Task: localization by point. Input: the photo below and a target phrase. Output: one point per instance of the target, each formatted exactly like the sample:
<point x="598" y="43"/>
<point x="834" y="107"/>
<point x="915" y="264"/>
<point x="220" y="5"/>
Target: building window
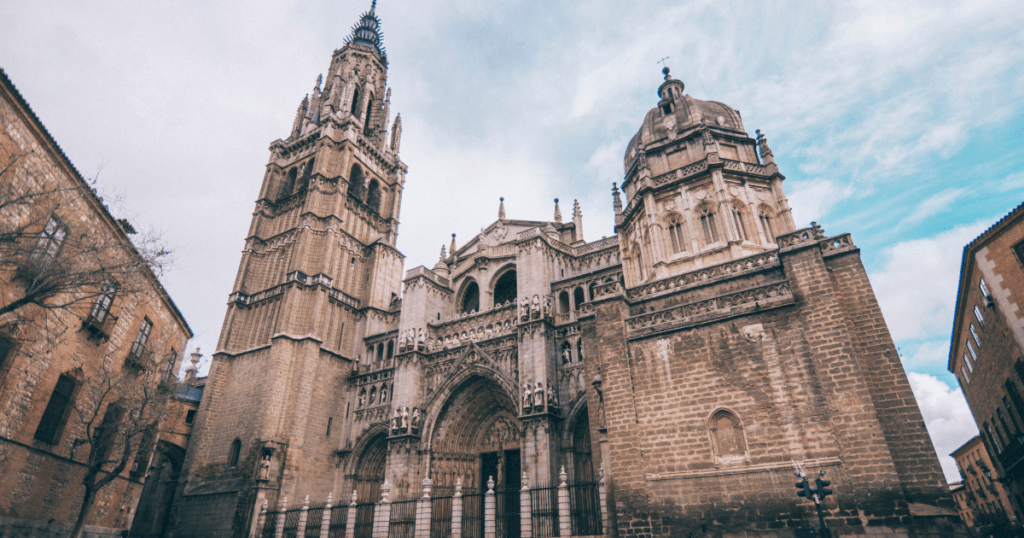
<point x="968" y="363"/>
<point x="981" y="318"/>
<point x="330" y="420"/>
<point x="236" y="449"/>
<point x="974" y="333"/>
<point x="106" y="434"/>
<point x="974" y="354"/>
<point x="993" y="439"/>
<point x="766" y="222"/>
<point x="967" y="378"/>
<point x="57" y="409"/>
<point x="138" y="349"/>
<point x="373" y="195"/>
<point x="675" y="233"/>
<point x="737" y="219"/>
<point x="101" y="308"/>
<point x="984" y="289"/>
<point x="578" y="298"/>
<point x="563" y="302"/>
<point x="190" y="416"/>
<point x="707" y="223"/>
<point x="471" y="298"/>
<point x="727" y="435"/>
<point x="50" y="241"/>
<point x="666" y="109"/>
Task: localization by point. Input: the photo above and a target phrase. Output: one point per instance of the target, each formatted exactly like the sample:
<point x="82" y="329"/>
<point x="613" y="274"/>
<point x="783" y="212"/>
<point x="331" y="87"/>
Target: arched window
<point x="355" y="102"/>
<point x="368" y="120"/>
<point x="391" y="349"/>
<point x="563" y="302"/>
<point x="579" y="350"/>
<point x="380" y="352"/>
<point x="288" y="183"/>
<point x="675" y="234"/>
<point x="766" y="223"/>
<point x="638" y="259"/>
<point x="727" y="436"/>
<point x="373" y="195"/>
<point x="471" y="298"/>
<point x="737" y="220"/>
<point x="355" y="182"/>
<point x="236" y="449"/>
<point x="578" y="298"/>
<point x="707" y="223"/>
<point x="505" y="289"/>
<point x="590" y="290"/>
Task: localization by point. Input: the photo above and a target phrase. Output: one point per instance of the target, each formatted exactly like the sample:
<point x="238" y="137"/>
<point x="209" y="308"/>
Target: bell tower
<point x="319" y="271"/>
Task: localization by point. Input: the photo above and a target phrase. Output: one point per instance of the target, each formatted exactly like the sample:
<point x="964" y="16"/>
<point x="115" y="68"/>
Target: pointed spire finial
<point x="451" y="250"/>
<point x="501" y="208"/>
<point x="558" y="212"/>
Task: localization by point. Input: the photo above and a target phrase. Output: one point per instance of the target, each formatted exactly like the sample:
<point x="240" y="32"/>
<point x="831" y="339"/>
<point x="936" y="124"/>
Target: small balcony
<point x="138" y="358"/>
<point x="99" y="330"/>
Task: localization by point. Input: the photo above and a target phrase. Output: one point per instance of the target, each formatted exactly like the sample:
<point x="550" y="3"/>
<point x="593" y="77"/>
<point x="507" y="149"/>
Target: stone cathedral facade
<point x="693" y="359"/>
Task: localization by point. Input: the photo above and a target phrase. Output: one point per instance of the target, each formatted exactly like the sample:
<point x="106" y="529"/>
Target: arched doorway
<point x="368" y="475"/>
<point x="582" y="457"/>
<point x="153" y="510"/>
<point x="476" y="437"/>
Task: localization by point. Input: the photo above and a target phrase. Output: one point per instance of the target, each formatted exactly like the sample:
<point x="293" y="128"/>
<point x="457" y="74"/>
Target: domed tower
<point x="699" y="190"/>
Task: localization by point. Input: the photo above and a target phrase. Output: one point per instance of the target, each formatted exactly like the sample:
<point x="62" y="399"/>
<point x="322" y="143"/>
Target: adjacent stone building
<point x="75" y="355"/>
<point x="690" y="362"/>
<point x="985" y="351"/>
<point x="983" y="499"/>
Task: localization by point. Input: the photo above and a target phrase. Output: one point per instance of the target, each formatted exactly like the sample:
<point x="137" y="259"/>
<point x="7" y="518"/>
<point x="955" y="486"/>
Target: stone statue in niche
<point x="579" y="350"/>
<point x="527" y="398"/>
<point x="384" y="394"/>
<point x="415" y="421"/>
<point x="524" y="308"/>
<point x="401" y="341"/>
<point x="396" y="422"/>
<point x="547" y="306"/>
<point x="552" y="400"/>
<point x="405" y="419"/>
<point x="420" y="340"/>
<point x="264" y="472"/>
<point x="566" y="354"/>
<point x="362" y="398"/>
<point x="538" y="397"/>
<point x="536" y="306"/>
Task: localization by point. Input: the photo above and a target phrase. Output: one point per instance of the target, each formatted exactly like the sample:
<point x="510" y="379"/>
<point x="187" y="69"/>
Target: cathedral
<point x="689" y="364"/>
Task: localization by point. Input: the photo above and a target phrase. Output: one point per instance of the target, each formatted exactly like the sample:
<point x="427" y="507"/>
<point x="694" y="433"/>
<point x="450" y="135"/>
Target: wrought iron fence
<point x="473" y="515"/>
<point x="544" y="505"/>
<point x="506" y="513"/>
<point x="403" y="519"/>
<point x="291" y="522"/>
<point x="585" y="509"/>
<point x="441" y="517"/>
<point x="339" y="521"/>
<point x="270" y="525"/>
<point x="364" y="520"/>
<point x="314" y="517"/>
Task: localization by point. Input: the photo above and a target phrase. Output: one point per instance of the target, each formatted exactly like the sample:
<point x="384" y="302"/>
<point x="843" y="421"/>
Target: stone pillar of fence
<point x="382" y="515"/>
<point x="457" y="510"/>
<point x="489" y="531"/>
<point x="303" y="517"/>
<point x="564" y="525"/>
<point x="261" y="520"/>
<point x="525" y="510"/>
<point x="279" y="533"/>
<point x="325" y="517"/>
<point x="603" y="493"/>
<point x="350" y="523"/>
<point x="423" y="511"/>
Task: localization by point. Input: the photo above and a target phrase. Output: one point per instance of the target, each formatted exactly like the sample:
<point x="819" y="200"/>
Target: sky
<point x="899" y="122"/>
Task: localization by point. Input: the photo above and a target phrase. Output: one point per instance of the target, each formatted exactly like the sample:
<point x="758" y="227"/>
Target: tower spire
<point x="558" y="212"/>
<point x="501" y="208"/>
<point x="367" y="32"/>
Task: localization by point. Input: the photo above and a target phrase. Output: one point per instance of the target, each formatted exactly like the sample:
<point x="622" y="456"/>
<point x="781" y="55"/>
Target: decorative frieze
<point x="760" y="298"/>
<point x="707" y="275"/>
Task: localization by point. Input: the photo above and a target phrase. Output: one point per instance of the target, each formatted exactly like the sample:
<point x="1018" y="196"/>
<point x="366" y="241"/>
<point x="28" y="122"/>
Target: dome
<point x="678" y="113"/>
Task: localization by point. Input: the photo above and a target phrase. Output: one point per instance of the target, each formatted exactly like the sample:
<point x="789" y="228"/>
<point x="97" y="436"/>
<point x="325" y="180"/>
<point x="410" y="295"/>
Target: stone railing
<point x="750" y="168"/>
<point x="600" y="244"/>
<point x="691" y="169"/>
<point x="803" y="236"/>
<point x="300" y="278"/>
<point x="492" y="323"/>
<point x="696" y="312"/>
<point x="500" y="251"/>
<point x="586" y="309"/>
<point x="837" y="244"/>
<point x="428" y="274"/>
<point x="606" y="289"/>
<point x="706" y="275"/>
<point x="245" y="300"/>
<point x="526" y="234"/>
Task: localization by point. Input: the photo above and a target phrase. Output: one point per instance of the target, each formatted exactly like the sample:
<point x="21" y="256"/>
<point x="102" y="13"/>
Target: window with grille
<point x="49" y="242"/>
<point x="106" y="434"/>
<point x="675" y="233"/>
<point x="101" y="308"/>
<point x="984" y="288"/>
<point x="57" y="409"/>
<point x="766" y="223"/>
<point x="737" y="219"/>
<point x="707" y="223"/>
<point x="981" y="318"/>
<point x="974" y="354"/>
<point x="963" y="370"/>
<point x="138" y="349"/>
<point x="977" y="339"/>
<point x="968" y="363"/>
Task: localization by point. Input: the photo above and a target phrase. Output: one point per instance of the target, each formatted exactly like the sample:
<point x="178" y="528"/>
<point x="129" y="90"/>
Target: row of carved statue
<point x="412" y="339"/>
<point x="405" y="422"/>
<point x="537" y="399"/>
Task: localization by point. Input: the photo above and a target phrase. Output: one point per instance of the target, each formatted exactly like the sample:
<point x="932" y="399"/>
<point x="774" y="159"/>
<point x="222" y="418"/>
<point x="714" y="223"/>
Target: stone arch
<point x="370" y="464"/>
<point x="563" y="302"/>
<point x="745" y="231"/>
<point x="475" y="411"/>
<point x="154" y="507"/>
<point x="504" y="285"/>
<point x="356" y="178"/>
<point x="373" y="195"/>
<point x="469" y="297"/>
<point x="368" y="120"/>
<point x="710" y="224"/>
<point x="234" y="452"/>
<point x="288" y="183"/>
<point x="769" y="223"/>
<point x="675" y="228"/>
<point x="578" y="297"/>
<point x="728" y="441"/>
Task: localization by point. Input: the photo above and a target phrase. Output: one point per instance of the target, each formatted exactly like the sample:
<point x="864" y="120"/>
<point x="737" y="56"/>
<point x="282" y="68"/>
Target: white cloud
<point x="928" y="354"/>
<point x="933" y="205"/>
<point x="949" y="420"/>
<point x="916" y="288"/>
<point x="812" y="200"/>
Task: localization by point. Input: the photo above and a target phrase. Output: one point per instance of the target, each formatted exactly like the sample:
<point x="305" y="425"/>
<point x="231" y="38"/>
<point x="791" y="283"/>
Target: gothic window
<point x="56" y="413"/>
<point x="391" y="349"/>
<point x="236" y="450"/>
<point x="505" y="289"/>
<point x="355" y="102"/>
<point x="368" y="120"/>
<point x="578" y="298"/>
<point x="49" y="242"/>
<point x="380" y="352"/>
<point x="471" y="298"/>
<point x="563" y="302"/>
<point x="288" y="184"/>
<point x="373" y="195"/>
<point x="766" y="223"/>
<point x="355" y="182"/>
<point x="707" y="223"/>
<point x="101" y="308"/>
<point x="675" y="234"/>
<point x="737" y="219"/>
<point x="727" y="435"/>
